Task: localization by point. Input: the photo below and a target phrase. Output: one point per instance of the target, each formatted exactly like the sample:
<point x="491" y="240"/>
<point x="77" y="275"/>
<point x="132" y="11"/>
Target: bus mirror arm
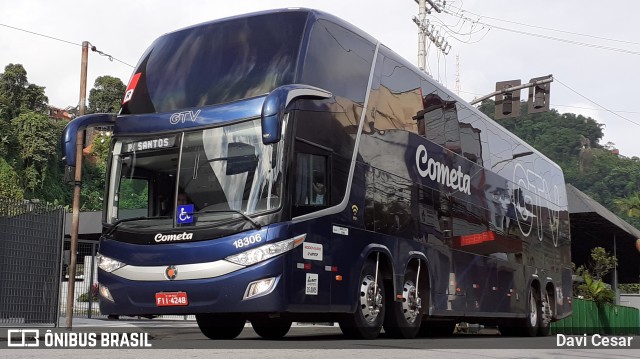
<point x="275" y="106"/>
<point x="70" y="134"/>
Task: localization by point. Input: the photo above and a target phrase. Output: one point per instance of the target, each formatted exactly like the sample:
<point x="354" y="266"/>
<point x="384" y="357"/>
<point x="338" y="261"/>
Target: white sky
<point x="125" y="29"/>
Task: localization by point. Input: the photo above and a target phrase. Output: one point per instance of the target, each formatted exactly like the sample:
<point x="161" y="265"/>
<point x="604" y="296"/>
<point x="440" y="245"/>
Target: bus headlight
<point x="264" y="252"/>
<point x="108" y="264"/>
<point x="104" y="292"/>
<point x="259" y="288"/>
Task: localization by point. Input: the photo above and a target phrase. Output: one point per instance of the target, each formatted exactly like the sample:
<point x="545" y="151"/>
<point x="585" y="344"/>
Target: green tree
<point x="30" y="164"/>
<point x="37" y="137"/>
<point x="106" y="95"/>
<point x="10" y="180"/>
<point x="630" y="205"/>
<point x="594" y="288"/>
<point x="629" y="288"/>
<point x="602" y="263"/>
<point x="17" y="95"/>
<point x="101" y="145"/>
<point x="92" y="191"/>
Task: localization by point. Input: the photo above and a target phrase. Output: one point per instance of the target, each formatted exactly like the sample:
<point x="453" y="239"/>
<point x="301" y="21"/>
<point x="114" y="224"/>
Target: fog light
<point x="104" y="292"/>
<point x="260" y="288"/>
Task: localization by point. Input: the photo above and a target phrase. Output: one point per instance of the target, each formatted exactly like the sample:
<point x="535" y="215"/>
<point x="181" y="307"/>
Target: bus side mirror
<point x="275" y="105"/>
<point x="70" y="137"/>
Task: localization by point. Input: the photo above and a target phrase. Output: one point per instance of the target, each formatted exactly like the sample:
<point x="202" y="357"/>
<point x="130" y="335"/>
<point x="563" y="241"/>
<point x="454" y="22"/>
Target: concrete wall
<point x="630" y="300"/>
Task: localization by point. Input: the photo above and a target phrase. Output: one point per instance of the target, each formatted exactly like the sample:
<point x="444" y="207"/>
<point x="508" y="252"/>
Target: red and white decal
<point x="132" y="86"/>
<point x="312" y="251"/>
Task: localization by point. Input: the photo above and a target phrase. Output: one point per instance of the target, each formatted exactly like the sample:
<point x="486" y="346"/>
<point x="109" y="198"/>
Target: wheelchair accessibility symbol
<point x="184" y="214"/>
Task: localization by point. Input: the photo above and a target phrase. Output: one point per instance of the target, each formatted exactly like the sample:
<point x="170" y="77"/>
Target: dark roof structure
<point x="592" y="225"/>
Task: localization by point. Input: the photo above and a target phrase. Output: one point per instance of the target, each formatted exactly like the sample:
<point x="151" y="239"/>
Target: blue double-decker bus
<point x="285" y="166"/>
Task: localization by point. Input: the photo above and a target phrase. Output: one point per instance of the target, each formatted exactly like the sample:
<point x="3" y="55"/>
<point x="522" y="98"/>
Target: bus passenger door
<point x="311" y="192"/>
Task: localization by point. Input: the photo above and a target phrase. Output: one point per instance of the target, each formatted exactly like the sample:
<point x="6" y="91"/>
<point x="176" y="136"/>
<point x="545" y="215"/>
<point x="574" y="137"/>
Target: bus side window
<point x="311" y="180"/>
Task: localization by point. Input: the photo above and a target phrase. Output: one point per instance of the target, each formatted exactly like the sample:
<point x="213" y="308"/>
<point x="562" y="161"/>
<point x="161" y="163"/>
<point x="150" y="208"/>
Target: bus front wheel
<point x="367" y="320"/>
<point x="220" y="326"/>
<point x="271" y="328"/>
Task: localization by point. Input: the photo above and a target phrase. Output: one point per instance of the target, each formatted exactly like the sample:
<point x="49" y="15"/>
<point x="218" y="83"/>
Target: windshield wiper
<point x="117" y="223"/>
<point x="253" y="222"/>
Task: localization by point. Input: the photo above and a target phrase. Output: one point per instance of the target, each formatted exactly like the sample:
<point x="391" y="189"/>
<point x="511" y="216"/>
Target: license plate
<point x="171" y="299"/>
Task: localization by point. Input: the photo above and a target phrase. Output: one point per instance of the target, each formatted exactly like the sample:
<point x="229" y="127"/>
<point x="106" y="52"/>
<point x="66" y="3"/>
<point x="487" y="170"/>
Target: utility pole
<point x="83" y="78"/>
<point x="422" y="34"/>
<point x="76" y="189"/>
<point x="426" y="30"/>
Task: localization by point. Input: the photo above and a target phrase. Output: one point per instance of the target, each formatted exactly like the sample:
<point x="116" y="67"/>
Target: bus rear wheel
<point x="529" y="326"/>
<point x="546" y="314"/>
<point x="403" y="318"/>
<point x="271" y="328"/>
<point x="367" y="320"/>
<point x="220" y="326"/>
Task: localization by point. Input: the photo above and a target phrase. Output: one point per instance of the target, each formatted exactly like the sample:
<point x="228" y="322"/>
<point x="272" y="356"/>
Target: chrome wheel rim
<point x="410" y="302"/>
<point x="533" y="311"/>
<point x="370" y="302"/>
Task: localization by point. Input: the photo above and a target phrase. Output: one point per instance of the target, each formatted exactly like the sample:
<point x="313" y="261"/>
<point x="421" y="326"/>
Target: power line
<point x="449" y="31"/>
<point x="93" y="48"/>
<point x="579" y="43"/>
<point x="38" y="34"/>
<point x="595" y="109"/>
<point x="549" y="29"/>
<point x="602" y="47"/>
<point x="111" y="58"/>
<point x="593" y="102"/>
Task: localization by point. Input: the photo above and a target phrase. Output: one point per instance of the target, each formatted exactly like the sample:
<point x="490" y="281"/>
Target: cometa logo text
<point x="173" y="237"/>
<point x="439" y="172"/>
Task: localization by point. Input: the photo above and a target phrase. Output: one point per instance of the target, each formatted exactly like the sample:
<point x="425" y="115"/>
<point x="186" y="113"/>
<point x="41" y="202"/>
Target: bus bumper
<point x="223" y="294"/>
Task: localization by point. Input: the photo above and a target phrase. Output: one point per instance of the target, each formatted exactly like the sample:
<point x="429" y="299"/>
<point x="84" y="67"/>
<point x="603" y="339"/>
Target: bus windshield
<point x="209" y="174"/>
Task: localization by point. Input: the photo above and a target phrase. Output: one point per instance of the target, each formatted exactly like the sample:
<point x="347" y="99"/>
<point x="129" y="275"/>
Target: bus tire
<point x="528" y="326"/>
<point x="271" y="328"/>
<point x="546" y="314"/>
<point x="366" y="321"/>
<point x="534" y="316"/>
<point x="402" y="319"/>
<point x="220" y="326"/>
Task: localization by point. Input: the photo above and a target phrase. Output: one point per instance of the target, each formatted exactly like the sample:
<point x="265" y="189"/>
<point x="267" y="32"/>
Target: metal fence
<point x="30" y="251"/>
<point x="591" y="318"/>
<point x="86" y="291"/>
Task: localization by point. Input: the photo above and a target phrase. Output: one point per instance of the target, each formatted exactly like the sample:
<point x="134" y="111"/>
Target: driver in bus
<point x="319" y="190"/>
<point x="182" y="198"/>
